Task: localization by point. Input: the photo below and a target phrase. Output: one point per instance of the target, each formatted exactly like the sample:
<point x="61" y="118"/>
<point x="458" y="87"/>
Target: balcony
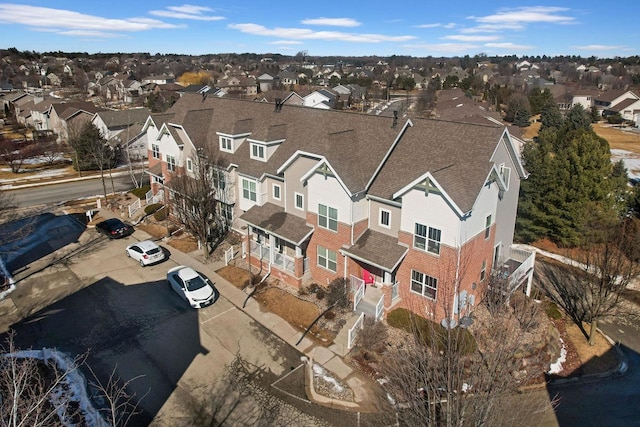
<point x="517" y="269"/>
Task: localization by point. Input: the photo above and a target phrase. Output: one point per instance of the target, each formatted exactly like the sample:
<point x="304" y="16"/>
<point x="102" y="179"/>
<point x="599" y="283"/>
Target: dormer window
<point x="226" y="144"/>
<point x="258" y="152"/>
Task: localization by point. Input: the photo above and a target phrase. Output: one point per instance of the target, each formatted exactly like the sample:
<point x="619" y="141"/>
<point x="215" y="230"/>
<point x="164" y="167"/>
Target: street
<point x="57" y="193"/>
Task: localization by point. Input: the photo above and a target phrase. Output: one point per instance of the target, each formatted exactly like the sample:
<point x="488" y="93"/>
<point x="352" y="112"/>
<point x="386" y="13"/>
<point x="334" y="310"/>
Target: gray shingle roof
<point x="118" y="119"/>
<point x="275" y="220"/>
<point x="378" y="249"/>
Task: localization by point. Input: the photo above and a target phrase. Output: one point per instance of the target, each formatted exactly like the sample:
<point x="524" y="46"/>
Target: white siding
<point x="431" y="210"/>
<point x="328" y="192"/>
<point x="246" y="204"/>
<point x="485" y="205"/>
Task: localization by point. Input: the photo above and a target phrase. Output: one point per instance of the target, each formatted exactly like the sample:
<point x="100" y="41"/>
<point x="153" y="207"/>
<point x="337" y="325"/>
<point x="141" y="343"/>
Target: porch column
<point x="387" y="277"/>
<point x="298" y="251"/>
<point x="272" y="246"/>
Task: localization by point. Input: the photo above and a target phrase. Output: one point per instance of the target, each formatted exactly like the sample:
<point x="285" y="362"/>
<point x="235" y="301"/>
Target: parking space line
<point x="217" y="315"/>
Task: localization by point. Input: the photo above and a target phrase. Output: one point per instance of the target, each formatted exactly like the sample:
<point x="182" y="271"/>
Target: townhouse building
<point x="416" y="212"/>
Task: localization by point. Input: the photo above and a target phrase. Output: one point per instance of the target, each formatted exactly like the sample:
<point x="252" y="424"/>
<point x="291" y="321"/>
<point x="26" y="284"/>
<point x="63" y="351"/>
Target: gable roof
<point x="117" y="119"/>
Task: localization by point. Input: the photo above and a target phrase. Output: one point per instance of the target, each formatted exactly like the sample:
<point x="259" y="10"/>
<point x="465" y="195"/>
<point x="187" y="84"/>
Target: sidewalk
<point x="331" y="358"/>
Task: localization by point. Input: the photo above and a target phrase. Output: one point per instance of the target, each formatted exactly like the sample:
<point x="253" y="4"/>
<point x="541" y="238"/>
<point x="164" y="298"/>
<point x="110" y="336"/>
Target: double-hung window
<point x="189" y="165"/>
<point x="155" y="151"/>
<point x="226" y="144"/>
<point x="276" y="192"/>
<point x="299" y="201"/>
<point x="327" y="217"/>
<point x="427" y="238"/>
<point x="327" y="259"/>
<point x="249" y="190"/>
<point x="506" y="174"/>
<point x="257" y="152"/>
<point x="423" y="284"/>
<point x="171" y="163"/>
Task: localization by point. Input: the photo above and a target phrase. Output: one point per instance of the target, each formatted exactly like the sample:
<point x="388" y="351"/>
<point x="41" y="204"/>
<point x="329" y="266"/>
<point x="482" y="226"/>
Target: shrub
<point x="141" y="192"/>
<point x="552" y="310"/>
<point x="320" y="294"/>
<point x="338" y="293"/>
<point x="430" y="333"/>
<point x="314" y="288"/>
<point x="161" y="214"/>
<point x="330" y="315"/>
<point x="152" y="208"/>
<point x="372" y="336"/>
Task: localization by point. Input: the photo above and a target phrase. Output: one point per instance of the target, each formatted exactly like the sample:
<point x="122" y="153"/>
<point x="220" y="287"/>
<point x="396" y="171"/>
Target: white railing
<point x="285" y="262"/>
<point x="359" y="293"/>
<point x="356" y="283"/>
<point x="515" y="280"/>
<point x="395" y="291"/>
<point x="261" y="251"/>
<point x="134" y="207"/>
<point x="229" y="254"/>
<point x="151" y="198"/>
<point x="379" y="308"/>
<point x="353" y="331"/>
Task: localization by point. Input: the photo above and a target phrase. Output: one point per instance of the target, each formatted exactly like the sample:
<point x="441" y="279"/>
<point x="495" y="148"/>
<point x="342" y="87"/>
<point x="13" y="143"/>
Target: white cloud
<point x="286" y="42"/>
<point x="306" y="34"/>
<point x="450" y="48"/>
<point x="598" y="47"/>
<point x="64" y="21"/>
<point x="507" y="45"/>
<point x="463" y="38"/>
<point x="187" y="11"/>
<point x="429" y="25"/>
<point x="449" y="26"/>
<point x="333" y="22"/>
<point x="527" y="14"/>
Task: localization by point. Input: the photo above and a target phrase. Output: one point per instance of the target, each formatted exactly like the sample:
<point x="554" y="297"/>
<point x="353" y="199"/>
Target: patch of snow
<point x="319" y="371"/>
<point x="631" y="161"/>
<point x="72" y="388"/>
<point x="556" y="367"/>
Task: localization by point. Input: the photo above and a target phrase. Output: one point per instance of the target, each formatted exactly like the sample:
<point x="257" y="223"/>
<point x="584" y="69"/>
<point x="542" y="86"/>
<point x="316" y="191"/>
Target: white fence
<point x="379" y="308"/>
<point x="353" y="331"/>
<point x="359" y="293"/>
<point x="150" y="198"/>
<point x="229" y="254"/>
<point x="134" y="207"/>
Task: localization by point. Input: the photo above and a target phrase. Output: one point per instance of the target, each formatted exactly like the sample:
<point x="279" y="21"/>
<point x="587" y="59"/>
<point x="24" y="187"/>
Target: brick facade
<point x="331" y="240"/>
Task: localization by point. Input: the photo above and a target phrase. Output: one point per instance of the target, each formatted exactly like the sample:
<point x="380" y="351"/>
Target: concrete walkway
<point x="331" y="358"/>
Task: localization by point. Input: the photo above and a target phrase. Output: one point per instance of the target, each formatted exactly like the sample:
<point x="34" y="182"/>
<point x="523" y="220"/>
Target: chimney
<point x="395" y="118"/>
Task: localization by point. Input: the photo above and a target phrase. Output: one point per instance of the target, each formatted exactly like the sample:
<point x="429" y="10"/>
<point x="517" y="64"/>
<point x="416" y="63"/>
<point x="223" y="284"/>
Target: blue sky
<point x="342" y="28"/>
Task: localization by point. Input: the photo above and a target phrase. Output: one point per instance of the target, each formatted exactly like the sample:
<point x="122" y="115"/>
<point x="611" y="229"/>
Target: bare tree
<point x="461" y="376"/>
<point x="196" y="201"/>
<point x="592" y="287"/>
<point x="92" y="150"/>
<point x="40" y="388"/>
<point x="15" y="153"/>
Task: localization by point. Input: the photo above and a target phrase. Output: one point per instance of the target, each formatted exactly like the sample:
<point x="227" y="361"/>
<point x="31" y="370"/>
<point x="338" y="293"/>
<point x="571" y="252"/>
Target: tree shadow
<point x="605" y="399"/>
<point x="143" y="331"/>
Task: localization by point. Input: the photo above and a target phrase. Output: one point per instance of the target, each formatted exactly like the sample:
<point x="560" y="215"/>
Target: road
<point x="57" y="193"/>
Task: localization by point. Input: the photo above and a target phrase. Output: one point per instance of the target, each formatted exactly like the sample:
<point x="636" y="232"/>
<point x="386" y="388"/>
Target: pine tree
<point x="550" y="116"/>
<point x="577" y="118"/>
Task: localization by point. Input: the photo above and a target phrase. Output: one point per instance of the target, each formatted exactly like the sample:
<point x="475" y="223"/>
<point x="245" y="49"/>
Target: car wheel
<point x="142" y="263"/>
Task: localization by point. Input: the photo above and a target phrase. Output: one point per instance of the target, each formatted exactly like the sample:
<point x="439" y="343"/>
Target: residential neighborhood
<point x="351" y="220"/>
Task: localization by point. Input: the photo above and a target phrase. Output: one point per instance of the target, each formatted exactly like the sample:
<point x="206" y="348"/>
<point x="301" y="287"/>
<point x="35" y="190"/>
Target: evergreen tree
<point x="539" y="98"/>
<point x="571" y="181"/>
<point x="517" y="106"/>
<point x="521" y="117"/>
<point x="550" y="116"/>
<point x="577" y="118"/>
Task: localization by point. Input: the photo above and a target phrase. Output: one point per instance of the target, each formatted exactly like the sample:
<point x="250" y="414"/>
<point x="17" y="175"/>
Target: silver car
<point x="192" y="287"/>
<point x="145" y="252"/>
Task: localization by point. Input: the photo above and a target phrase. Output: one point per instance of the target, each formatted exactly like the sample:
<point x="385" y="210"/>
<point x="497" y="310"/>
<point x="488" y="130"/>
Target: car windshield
<point x="195" y="283"/>
<point x="153" y="251"/>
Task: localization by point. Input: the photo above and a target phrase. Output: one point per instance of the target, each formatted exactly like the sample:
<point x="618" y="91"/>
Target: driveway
<point x="125" y="318"/>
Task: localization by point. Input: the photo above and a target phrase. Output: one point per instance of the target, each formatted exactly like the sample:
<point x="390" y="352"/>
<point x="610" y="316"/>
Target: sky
<point x="327" y="28"/>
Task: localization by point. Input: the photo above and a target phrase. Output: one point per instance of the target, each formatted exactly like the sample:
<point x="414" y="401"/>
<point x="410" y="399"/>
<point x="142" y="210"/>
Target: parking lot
<point x="124" y="317"/>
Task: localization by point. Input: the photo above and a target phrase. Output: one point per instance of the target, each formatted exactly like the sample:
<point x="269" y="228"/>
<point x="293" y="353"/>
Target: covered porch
<point x="374" y="260"/>
<point x="277" y="240"/>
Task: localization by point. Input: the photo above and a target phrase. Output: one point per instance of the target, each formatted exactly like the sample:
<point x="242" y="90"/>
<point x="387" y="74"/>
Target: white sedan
<point x="145" y="252"/>
<point x="192" y="287"/>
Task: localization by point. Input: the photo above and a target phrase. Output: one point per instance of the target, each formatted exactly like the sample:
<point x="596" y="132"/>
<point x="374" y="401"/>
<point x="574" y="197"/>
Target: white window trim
<point x="156" y="153"/>
<point x="295" y="199"/>
<point x="222" y="147"/>
<point x="427" y="239"/>
<point x="424" y="285"/>
<point x="380" y="218"/>
<point x="327" y="259"/>
<point x="506" y="181"/>
<point x="259" y="146"/>
<point x="171" y="166"/>
<point x="328" y="218"/>
<point x="273" y="191"/>
<point x="190" y="165"/>
<point x="249" y="181"/>
<point x="487" y="227"/>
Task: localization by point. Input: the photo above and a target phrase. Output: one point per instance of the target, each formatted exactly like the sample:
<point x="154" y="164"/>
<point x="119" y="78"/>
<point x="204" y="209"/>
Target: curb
<point x="319" y="399"/>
